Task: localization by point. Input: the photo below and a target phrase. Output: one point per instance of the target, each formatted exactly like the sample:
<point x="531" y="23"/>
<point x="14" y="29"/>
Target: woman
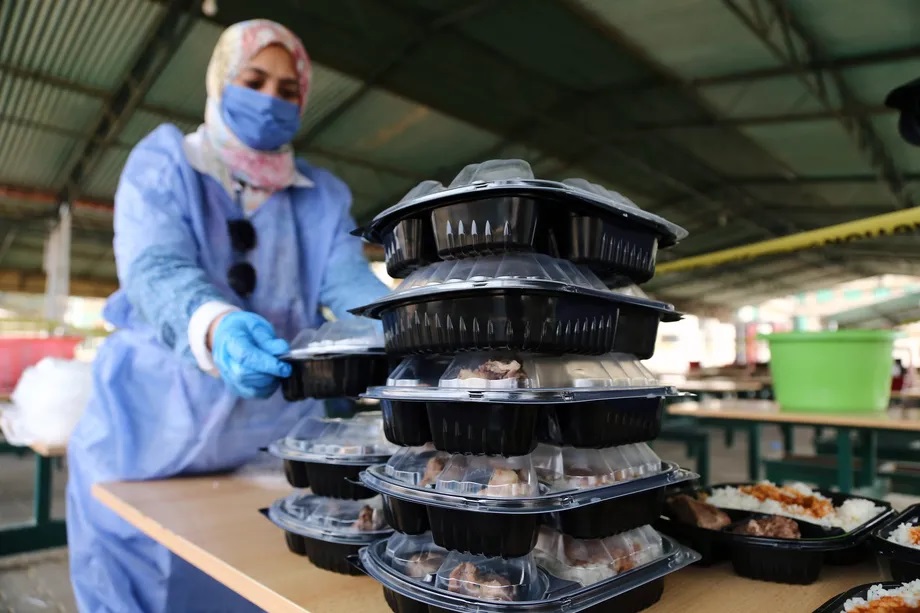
<point x="225" y="245"/>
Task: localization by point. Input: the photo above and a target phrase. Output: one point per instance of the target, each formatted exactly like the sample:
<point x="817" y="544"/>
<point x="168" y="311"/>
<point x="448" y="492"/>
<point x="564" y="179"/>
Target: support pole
<point x="57" y="265"/>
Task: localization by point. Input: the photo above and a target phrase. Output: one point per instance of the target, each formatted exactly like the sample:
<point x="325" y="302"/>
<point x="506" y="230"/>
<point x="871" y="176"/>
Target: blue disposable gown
<point x="153" y="412"/>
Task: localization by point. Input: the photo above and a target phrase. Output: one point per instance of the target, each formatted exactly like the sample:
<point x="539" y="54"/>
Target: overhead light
<point x="209" y="7"/>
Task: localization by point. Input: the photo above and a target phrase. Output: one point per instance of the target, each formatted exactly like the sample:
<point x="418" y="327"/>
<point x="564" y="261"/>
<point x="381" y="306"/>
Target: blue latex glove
<point x="245" y="350"/>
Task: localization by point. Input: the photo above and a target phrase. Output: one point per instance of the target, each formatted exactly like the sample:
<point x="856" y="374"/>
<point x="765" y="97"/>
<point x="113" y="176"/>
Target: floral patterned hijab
<point x="214" y="149"/>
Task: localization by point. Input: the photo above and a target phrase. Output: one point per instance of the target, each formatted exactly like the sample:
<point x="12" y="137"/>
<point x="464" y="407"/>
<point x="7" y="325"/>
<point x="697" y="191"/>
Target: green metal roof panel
<point x="812" y="148"/>
<point x="32" y="157"/>
<point x="39" y="103"/>
<point x="89" y="42"/>
<point x="387" y="129"/>
<point x="764" y="97"/>
<point x="871" y="84"/>
<point x="181" y="84"/>
<point x="143" y="122"/>
<point x="572" y="55"/>
<point x="689" y="36"/>
<point x="103" y="180"/>
<point x="850" y="27"/>
<point x="328" y="89"/>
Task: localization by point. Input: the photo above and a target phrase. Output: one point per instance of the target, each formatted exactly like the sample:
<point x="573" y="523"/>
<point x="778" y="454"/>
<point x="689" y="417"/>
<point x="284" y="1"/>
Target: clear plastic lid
<point x="357" y="440"/>
<point x="512" y="173"/>
<point x="418" y="466"/>
<point x="524" y="378"/>
<point x="488" y="476"/>
<point x="415" y="555"/>
<point x="558" y="469"/>
<point x="339" y="337"/>
<point x="509" y="266"/>
<point x="566" y="468"/>
<point x="465" y="582"/>
<point x="329" y="518"/>
<point x="496" y="579"/>
<point x="590" y="561"/>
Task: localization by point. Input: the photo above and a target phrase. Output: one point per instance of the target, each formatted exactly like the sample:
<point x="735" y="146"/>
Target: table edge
<point x="214" y="567"/>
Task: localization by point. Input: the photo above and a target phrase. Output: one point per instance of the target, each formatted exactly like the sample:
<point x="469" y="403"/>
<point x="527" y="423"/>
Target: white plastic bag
<point x="48" y="401"/>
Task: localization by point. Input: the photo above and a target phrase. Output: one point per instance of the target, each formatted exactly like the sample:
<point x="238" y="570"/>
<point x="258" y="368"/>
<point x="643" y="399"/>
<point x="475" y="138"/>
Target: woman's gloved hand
<point x="245" y="350"/>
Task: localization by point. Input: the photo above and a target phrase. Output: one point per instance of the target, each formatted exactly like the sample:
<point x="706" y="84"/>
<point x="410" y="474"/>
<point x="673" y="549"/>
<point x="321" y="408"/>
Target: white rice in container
<point x="851" y="514"/>
<point x="909" y="592"/>
<point x="902" y="535"/>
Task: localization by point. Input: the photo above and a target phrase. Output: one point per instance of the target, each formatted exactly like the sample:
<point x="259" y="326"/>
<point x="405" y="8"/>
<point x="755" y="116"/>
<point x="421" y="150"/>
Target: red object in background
<point x="17" y="354"/>
<point x="897" y="383"/>
<point x="695" y="366"/>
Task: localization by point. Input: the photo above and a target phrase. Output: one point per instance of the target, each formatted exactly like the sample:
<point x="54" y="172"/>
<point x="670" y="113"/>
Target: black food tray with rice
<point x="766" y="544"/>
<point x="897" y="546"/>
<point x="498" y="207"/>
<point x="837" y="604"/>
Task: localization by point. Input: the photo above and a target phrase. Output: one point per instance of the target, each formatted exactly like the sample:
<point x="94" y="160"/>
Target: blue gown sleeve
<point x="348" y="281"/>
<point x="156" y="252"/>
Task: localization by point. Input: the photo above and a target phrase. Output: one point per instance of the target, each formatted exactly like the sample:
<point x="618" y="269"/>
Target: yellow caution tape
<point x="899" y="222"/>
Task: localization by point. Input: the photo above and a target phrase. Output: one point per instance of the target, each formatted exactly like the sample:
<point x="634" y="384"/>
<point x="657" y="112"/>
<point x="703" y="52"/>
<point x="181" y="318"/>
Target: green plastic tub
<point x="832" y="372"/>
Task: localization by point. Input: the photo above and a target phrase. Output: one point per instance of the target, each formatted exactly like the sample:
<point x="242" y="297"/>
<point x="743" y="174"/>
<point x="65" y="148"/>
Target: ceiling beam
<point x="174" y="24"/>
<point x="753" y="120"/>
<point x="391" y="64"/>
<point x="775" y="25"/>
<point x="886" y="56"/>
<point x="750" y="207"/>
<point x="33" y="282"/>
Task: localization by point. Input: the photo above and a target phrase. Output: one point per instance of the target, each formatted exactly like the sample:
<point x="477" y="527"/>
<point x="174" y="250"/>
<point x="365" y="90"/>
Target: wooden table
<point x="214" y="524"/>
<point x="756" y="412"/>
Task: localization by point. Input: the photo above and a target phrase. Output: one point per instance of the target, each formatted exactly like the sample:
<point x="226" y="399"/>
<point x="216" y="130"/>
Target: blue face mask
<point x="260" y="121"/>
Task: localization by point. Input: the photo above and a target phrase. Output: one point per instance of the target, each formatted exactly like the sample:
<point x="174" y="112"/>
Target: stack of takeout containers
<point x="339" y="516"/>
<point x="524" y="482"/>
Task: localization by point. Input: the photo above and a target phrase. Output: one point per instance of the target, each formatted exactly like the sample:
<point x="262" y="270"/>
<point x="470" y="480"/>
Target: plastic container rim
<point x="288" y="523"/>
<point x="575" y="598"/>
<point x="669" y="234"/>
<point x="279" y="449"/>
<point x="376" y="479"/>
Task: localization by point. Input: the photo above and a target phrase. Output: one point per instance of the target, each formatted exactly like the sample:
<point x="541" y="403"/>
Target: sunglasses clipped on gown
<point x="242" y="276"/>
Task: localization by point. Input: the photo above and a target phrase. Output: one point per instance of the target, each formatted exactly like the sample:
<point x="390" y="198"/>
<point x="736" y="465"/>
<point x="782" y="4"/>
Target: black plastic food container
<point x="333" y="377"/>
<point x="792" y="561"/>
<point x="509" y="526"/>
<point x="404" y="516"/>
<point x="602" y="423"/>
<point x="627" y="592"/>
<point x="497" y="206"/>
<point x="508" y="536"/>
<point x="506" y="320"/>
<point x="835" y="604"/>
<point x="324" y="554"/>
<point x="489" y="429"/>
<point x="610" y="517"/>
<point x="898" y="562"/>
<point x="405" y="423"/>
<point x="332" y="480"/>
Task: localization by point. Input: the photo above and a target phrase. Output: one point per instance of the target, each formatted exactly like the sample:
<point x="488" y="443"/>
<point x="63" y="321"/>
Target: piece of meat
<point x="772" y="527"/>
<point x="886" y="604"/>
<point x="585" y="552"/>
<point x="585" y="477"/>
<point x="467" y="580"/>
<point x="506" y="482"/>
<point x="495" y="370"/>
<point x="367" y="520"/>
<point x="691" y="511"/>
<point x="433" y="469"/>
<point x="424" y="563"/>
